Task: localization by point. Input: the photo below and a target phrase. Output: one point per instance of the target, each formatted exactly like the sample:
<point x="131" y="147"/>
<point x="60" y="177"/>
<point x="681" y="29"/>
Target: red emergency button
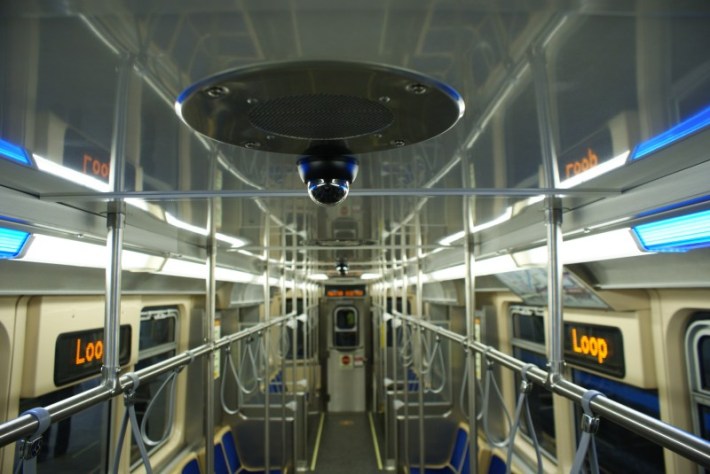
<point x="345" y="360"/>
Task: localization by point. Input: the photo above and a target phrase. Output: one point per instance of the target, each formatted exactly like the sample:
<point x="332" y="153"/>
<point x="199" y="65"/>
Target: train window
<point x="621" y="450"/>
<point x="697" y="346"/>
<point x="78" y="443"/>
<point x="608" y="90"/>
<point x="300" y="332"/>
<point x="528" y="328"/>
<point x="398" y="306"/>
<point x="345" y="330"/>
<point x="690" y="68"/>
<point x="158" y="341"/>
<point x="528" y="342"/>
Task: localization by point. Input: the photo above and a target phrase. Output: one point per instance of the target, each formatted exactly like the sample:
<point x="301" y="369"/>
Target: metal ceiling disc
<point x="290" y="107"/>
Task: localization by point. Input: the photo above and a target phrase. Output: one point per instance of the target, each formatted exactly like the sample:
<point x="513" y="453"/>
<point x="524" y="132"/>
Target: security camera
<point x="342" y="267"/>
<point x="327" y="176"/>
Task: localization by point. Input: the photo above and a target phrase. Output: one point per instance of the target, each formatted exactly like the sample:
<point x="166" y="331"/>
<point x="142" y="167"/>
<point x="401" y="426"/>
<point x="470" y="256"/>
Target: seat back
<point x="220" y="461"/>
<point x="460" y="451"/>
<point x="230" y="451"/>
<point x="191" y="467"/>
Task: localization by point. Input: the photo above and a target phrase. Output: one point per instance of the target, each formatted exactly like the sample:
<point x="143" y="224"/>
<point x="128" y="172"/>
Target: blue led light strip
<point x="14" y="153"/>
<point x="12" y="242"/>
<point x="685" y="128"/>
<point x="676" y="234"/>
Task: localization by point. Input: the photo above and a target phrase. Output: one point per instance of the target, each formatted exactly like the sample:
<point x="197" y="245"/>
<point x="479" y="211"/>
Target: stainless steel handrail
<point x="25" y="425"/>
<point x="666" y="435"/>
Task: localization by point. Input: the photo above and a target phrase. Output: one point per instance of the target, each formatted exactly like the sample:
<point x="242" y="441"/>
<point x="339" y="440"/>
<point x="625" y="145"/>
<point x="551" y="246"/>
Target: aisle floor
<point x="346" y="445"/>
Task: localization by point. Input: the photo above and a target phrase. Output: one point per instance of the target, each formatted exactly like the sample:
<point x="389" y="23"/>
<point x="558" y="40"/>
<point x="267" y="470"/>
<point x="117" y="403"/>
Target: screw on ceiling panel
<point x="417" y="88"/>
<point x="216" y="92"/>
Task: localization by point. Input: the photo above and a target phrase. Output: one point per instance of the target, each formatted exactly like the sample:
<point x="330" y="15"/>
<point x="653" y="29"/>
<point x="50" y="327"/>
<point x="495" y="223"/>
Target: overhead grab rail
<point x="677" y="440"/>
<point x="27" y="424"/>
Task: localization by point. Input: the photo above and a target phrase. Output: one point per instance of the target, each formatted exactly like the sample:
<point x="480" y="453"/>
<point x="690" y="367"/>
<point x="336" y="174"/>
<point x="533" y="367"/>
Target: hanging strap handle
<point x="590" y="425"/>
<point x="170" y="381"/>
<point x="438" y="354"/>
<point x="491" y="381"/>
<point x="129" y="402"/>
<point x="229" y="364"/>
<point x="29" y="447"/>
<point x="464" y="385"/>
<point x="525" y="389"/>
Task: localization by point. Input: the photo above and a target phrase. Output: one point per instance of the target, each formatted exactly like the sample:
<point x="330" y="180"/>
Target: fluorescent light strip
<point x="676" y="234"/>
<point x="682" y="130"/>
<point x="12" y="242"/>
<point x="507" y="214"/>
<point x="616" y="162"/>
<point x="49" y="166"/>
<point x="617" y="243"/>
<point x="60" y="251"/>
<point x="174" y="221"/>
<point x="370" y="276"/>
<point x="452" y="238"/>
<point x="318" y="276"/>
<point x="14" y="153"/>
<point x="605" y="246"/>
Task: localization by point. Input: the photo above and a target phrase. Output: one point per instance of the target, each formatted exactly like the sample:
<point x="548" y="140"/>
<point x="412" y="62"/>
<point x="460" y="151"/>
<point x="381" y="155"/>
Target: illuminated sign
<point x="78" y="355"/>
<point x="344" y="292"/>
<point x="85" y="156"/>
<point x="600" y="348"/>
<point x="587" y="154"/>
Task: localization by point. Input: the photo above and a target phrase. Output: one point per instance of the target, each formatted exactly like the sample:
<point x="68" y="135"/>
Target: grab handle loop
<point x="229" y="364"/>
<point x="491" y="381"/>
<point x="438" y="354"/>
<point x="590" y="425"/>
<point x="464" y="384"/>
<point x="428" y="357"/>
<point x="247" y="355"/>
<point x="30" y="447"/>
<point x="525" y="389"/>
<point x="129" y="402"/>
<point x="407" y="349"/>
<point x="169" y="382"/>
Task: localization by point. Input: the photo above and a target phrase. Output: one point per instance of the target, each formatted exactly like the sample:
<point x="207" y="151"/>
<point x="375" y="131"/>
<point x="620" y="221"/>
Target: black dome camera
<point x="328" y="176"/>
<point x="342" y="267"/>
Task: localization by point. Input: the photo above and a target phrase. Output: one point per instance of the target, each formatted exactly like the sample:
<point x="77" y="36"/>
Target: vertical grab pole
<point x="115" y="223"/>
<point x="470" y="296"/>
<point x="294" y="342"/>
<point x="405" y="369"/>
<point x="265" y="335"/>
<point x="209" y="323"/>
<point x="281" y="347"/>
<point x="553" y="212"/>
<point x="395" y="345"/>
<point x="420" y="314"/>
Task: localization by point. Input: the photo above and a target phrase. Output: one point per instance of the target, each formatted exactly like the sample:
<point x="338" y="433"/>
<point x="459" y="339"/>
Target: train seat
<point x="189" y="464"/>
<point x="229" y="454"/>
<point x="458" y="458"/>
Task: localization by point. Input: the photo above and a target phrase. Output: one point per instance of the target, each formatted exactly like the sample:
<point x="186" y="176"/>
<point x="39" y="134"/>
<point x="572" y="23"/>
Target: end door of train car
<point x="345" y="332"/>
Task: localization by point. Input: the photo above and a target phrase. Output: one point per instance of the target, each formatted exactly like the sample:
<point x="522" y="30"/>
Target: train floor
<point x="346" y="445"/>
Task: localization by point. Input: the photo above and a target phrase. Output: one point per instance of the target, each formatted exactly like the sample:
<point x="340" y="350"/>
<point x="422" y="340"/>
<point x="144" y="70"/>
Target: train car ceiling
<point x="553" y="108"/>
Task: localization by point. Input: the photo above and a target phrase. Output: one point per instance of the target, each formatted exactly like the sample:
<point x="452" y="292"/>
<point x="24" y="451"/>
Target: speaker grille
<point x="320" y="117"/>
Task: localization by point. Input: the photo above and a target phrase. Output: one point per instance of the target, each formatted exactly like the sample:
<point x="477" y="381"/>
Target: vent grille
<point x="320" y="117"/>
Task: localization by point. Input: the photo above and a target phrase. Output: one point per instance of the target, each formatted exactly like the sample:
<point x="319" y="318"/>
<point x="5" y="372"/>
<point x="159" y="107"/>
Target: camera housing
<point x="342" y="267"/>
<point x="328" y="177"/>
